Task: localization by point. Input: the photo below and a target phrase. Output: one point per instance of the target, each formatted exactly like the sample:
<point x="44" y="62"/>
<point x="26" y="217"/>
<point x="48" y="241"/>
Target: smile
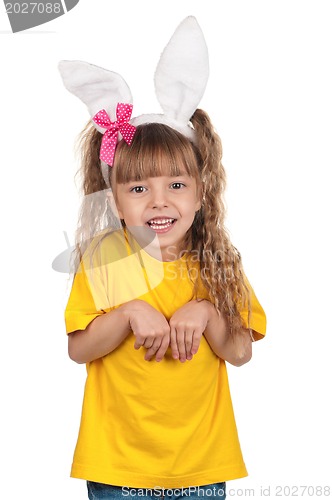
<point x="160" y="225"/>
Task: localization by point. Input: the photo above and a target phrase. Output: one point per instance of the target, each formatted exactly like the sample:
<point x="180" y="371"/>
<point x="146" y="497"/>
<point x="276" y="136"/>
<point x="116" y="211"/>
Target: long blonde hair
<point x="159" y="150"/>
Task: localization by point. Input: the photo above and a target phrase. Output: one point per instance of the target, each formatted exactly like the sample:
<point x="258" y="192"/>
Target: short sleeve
<point x="256" y="320"/>
<point x="82" y="305"/>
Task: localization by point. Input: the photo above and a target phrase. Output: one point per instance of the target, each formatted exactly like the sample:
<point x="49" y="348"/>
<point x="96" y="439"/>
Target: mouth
<point x="161" y="224"/>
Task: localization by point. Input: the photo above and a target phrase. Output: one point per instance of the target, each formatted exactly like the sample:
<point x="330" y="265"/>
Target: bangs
<point x="156" y="150"/>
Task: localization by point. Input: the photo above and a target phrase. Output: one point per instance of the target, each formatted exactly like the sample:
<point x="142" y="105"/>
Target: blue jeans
<point x="99" y="491"/>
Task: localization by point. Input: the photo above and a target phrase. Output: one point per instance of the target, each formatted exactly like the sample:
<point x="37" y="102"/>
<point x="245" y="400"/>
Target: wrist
<point x="124" y="312"/>
<point x="216" y="322"/>
<point x="128" y="309"/>
<point x="210" y="311"/>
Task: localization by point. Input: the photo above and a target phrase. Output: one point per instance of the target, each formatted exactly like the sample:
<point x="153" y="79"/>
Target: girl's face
<point x="164" y="205"/>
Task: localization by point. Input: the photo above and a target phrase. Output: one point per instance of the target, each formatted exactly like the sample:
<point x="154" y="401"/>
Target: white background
<point x="269" y="96"/>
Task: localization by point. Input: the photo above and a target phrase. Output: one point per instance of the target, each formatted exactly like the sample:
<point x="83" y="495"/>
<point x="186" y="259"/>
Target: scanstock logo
<point x="24" y="15"/>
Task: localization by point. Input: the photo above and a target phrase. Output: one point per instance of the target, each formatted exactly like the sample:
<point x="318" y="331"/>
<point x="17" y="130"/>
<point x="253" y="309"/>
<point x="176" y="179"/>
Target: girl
<point x="158" y="304"/>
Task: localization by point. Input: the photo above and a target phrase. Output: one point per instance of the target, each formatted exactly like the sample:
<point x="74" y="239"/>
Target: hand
<point x="187" y="326"/>
<point x="150" y="328"/>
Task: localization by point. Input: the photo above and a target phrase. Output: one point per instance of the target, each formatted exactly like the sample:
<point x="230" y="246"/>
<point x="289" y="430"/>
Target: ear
<point x="199" y="195"/>
<point x="199" y="200"/>
<point x="96" y="87"/>
<point x="111" y="201"/>
<point x="182" y="72"/>
<point x="198" y="205"/>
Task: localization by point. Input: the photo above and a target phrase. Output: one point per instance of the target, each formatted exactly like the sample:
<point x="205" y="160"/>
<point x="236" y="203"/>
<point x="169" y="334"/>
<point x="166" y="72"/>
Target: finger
<point x="174" y="345"/>
<point x="188" y="339"/>
<point x="152" y="350"/>
<point x="162" y="349"/>
<point x="196" y="340"/>
<point x="148" y="343"/>
<point x="181" y="344"/>
<point x="139" y="341"/>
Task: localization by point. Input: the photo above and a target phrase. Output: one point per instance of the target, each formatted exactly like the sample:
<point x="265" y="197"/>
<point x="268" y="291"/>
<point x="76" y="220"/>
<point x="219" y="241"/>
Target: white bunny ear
<point x="182" y="72"/>
<point x="97" y="87"/>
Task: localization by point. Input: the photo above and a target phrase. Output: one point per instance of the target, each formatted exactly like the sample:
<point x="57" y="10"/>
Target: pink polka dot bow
<point x="110" y="137"/>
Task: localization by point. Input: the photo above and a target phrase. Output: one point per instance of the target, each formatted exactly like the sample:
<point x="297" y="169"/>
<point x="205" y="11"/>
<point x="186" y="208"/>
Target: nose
<point x="159" y="198"/>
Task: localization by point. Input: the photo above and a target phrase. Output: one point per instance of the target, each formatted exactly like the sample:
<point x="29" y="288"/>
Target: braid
<point x="95" y="214"/>
<point x="221" y="267"/>
<point x="89" y="144"/>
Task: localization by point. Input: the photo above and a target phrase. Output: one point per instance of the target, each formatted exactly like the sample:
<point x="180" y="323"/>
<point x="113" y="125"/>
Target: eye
<point x="177" y="185"/>
<point x="137" y="189"/>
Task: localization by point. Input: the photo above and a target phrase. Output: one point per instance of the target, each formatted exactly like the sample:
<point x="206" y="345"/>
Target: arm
<point x="237" y="350"/>
<point x="96" y="340"/>
<point x="106" y="332"/>
<point x="199" y="317"/>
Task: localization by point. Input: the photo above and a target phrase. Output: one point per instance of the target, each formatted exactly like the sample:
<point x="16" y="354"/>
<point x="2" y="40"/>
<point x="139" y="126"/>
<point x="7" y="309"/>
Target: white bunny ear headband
<point x="180" y="80"/>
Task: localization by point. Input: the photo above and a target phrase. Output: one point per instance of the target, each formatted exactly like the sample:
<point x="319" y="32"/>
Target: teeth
<point x="160" y="221"/>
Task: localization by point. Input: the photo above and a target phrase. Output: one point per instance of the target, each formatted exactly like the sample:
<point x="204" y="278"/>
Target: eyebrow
<point x="181" y="174"/>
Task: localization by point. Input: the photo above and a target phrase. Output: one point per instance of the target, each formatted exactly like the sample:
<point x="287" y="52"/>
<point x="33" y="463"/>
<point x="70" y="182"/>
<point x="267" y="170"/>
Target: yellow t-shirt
<point x="148" y="424"/>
